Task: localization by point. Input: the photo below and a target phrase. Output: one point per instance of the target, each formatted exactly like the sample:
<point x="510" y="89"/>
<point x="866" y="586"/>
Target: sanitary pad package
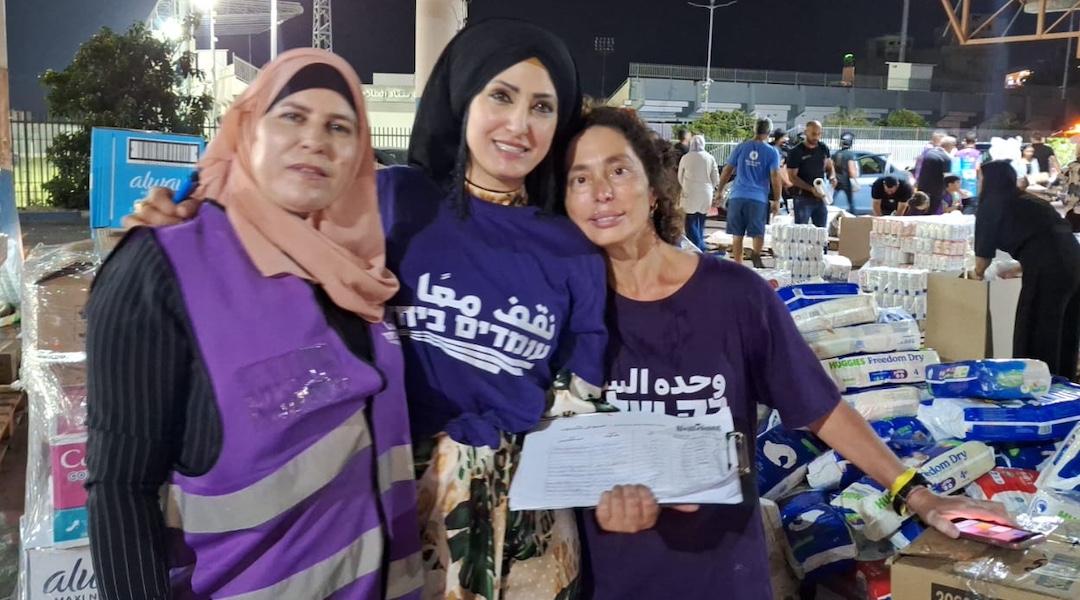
<point x="808" y="294"/>
<point x="782" y="460"/>
<point x="873" y="370"/>
<point x="1007" y="379"/>
<point x="842" y="312"/>
<point x="886" y="403"/>
<point x="820" y="541"/>
<point x="1047" y="418"/>
<point x="903" y="434"/>
<point x="1014" y="488"/>
<point x="865" y="339"/>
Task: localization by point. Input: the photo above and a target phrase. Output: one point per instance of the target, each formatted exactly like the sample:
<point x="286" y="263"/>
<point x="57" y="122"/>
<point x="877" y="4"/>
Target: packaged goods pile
<point x="800" y="250"/>
<point x="54" y="528"/>
<point x="941" y="243"/>
<point x="894" y="287"/>
<point x="1000" y="430"/>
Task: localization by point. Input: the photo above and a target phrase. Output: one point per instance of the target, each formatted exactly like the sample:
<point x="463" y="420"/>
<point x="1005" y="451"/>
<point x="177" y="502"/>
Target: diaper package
<point x="808" y="294"/>
<point x="872" y="370"/>
<point x="951" y="465"/>
<point x="879" y="404"/>
<point x="908" y="533"/>
<point x="781" y="573"/>
<point x="903" y="434"/>
<point x="782" y="460"/>
<point x="1007" y="379"/>
<point x="1062" y="475"/>
<point x="1015" y="488"/>
<point x="841" y="312"/>
<point x="830" y="471"/>
<point x="1047" y="418"/>
<point x="865" y="339"/>
<point x="820" y="541"/>
<point x="868" y="510"/>
<point x="1034" y="456"/>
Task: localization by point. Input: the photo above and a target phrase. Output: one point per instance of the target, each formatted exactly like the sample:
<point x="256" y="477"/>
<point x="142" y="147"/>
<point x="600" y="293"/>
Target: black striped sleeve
<point x="145" y="383"/>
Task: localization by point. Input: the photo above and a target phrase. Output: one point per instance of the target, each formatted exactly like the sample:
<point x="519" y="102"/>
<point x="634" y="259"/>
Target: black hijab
<point x="473" y="58"/>
<point x="999" y="181"/>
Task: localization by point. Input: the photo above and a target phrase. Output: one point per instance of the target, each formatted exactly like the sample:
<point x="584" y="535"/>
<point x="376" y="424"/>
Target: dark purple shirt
<point x="728" y="325"/>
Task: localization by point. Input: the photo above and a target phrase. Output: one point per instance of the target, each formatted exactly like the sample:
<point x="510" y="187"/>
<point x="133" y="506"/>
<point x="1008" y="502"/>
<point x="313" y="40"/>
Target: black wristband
<point x="899" y="501"/>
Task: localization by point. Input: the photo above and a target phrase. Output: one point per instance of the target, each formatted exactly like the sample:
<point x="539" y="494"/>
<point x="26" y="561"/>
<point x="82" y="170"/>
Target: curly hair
<point x="661" y="161"/>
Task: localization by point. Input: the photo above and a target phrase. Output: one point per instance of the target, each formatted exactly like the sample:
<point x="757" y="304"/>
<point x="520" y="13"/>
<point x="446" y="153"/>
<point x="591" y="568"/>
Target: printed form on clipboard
<point x="569" y="462"/>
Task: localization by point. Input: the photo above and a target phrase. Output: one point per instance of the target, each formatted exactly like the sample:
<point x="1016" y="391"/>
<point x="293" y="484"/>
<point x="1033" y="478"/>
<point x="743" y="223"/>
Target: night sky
<point x="377" y="35"/>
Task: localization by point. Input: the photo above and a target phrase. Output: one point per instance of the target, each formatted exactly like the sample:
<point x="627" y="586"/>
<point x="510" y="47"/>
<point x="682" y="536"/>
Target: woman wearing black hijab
<point x="1048" y="316"/>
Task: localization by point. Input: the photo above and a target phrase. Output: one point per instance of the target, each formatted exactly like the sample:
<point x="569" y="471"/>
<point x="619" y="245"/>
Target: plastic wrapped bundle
<point x="903" y="435"/>
<point x="1043" y="419"/>
<point x="868" y="510"/>
<point x="841" y="312"/>
<point x="1007" y="379"/>
<point x="837" y="268"/>
<point x="817" y="532"/>
<point x="782" y="460"/>
<point x="873" y="370"/>
<point x="886" y="403"/>
<point x="1062" y="476"/>
<point x="808" y="294"/>
<point x="830" y="471"/>
<point x="873" y="338"/>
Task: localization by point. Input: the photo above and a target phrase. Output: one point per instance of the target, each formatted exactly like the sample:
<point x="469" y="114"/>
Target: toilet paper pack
<point x="872" y="370"/>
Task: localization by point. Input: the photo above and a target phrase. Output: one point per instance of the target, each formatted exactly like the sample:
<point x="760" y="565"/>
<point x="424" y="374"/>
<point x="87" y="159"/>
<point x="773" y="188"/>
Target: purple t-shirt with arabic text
<point x="725" y="326"/>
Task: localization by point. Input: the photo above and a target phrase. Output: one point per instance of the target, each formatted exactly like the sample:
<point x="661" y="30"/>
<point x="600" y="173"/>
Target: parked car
<point x="389" y="157"/>
<point x="871" y="168"/>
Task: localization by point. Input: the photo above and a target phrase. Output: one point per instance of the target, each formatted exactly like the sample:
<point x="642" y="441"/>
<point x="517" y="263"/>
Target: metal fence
<point x="32" y="139"/>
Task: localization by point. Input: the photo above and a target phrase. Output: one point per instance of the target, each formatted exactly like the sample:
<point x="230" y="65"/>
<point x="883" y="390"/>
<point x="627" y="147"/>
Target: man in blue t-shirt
<point x="756" y="166"/>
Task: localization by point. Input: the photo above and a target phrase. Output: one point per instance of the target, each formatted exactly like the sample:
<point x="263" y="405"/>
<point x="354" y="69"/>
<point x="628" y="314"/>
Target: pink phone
<point x="997" y="535"/>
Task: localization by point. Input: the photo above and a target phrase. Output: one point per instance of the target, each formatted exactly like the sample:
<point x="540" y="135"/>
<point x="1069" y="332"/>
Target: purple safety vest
<point x="313" y="494"/>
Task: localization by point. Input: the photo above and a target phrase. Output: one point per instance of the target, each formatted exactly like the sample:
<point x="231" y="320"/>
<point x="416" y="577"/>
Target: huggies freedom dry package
<point x="1012" y="379"/>
<point x="872" y="370"/>
<point x="951" y="465"/>
<point x="865" y="339"/>
<point x="879" y="404"/>
<point x="843" y="312"/>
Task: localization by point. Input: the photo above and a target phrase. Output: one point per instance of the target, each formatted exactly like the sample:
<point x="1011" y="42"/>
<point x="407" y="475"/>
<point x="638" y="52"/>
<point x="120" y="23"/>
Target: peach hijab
<point x="341" y="247"/>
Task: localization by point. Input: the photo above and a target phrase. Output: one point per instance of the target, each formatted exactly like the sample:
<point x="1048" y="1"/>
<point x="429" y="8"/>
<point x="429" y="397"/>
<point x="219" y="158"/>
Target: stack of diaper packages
<point x="800" y="250"/>
<point x="893" y="287"/>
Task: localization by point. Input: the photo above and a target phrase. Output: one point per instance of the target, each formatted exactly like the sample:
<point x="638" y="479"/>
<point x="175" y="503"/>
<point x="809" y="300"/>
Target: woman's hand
<point x="157" y="209"/>
<point x="627" y="509"/>
<point x="939" y="511"/>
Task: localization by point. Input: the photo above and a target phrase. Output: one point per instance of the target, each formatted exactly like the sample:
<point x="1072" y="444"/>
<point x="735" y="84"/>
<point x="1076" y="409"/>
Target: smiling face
<point x="608" y="195"/>
<point x="510" y="126"/>
<point x="306" y="150"/>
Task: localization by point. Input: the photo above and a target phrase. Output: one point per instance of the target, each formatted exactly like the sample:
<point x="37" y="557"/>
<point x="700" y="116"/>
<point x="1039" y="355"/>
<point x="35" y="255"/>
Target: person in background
<point x="847" y="170"/>
<point x="890" y="195"/>
<point x="682" y="142"/>
<point x="699" y="177"/>
<point x="936" y="164"/>
<point x="935" y="141"/>
<point x="951" y="199"/>
<point x="966" y="164"/>
<point x="756" y="167"/>
<point x="1071" y="176"/>
<point x="1031" y="230"/>
<point x="1049" y="167"/>
<point x="948" y="144"/>
<point x="779" y="140"/>
<point x="1029" y="165"/>
<point x="661" y="316"/>
<point x="918" y="206"/>
<point x="284" y="449"/>
<point x="806" y="163"/>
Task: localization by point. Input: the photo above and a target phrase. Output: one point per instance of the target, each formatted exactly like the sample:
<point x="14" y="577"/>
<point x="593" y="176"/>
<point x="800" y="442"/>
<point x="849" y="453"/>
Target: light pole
<point x="605" y="46"/>
<point x="208" y="7"/>
<point x="712" y="6"/>
<point x="904" y="30"/>
<point x="273" y="29"/>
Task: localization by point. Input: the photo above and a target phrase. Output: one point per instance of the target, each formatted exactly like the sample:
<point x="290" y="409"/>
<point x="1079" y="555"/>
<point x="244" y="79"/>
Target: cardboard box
<point x="968" y="319"/>
<point x="936" y="567"/>
<point x="855" y="239"/>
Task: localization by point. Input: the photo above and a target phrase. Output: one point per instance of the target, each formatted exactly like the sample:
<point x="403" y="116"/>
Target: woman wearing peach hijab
<point x="242" y="360"/>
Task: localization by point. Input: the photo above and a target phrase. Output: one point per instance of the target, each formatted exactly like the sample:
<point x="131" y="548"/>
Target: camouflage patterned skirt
<point x="474" y="546"/>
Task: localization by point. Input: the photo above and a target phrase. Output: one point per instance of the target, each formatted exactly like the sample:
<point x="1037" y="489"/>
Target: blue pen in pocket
<point x="186" y="188"/>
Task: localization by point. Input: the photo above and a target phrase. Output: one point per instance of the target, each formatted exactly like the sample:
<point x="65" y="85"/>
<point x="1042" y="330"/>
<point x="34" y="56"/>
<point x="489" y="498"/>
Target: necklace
<point x="516" y="197"/>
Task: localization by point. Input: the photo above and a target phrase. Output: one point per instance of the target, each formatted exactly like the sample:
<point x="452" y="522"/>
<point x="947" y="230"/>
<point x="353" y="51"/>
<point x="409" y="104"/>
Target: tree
<point x="723" y="126"/>
<point x="1005" y="121"/>
<point x="903" y="118"/>
<point x="846" y="118"/>
<point x="130" y="80"/>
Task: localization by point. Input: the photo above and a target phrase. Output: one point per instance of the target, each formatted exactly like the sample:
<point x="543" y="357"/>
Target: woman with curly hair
<point x="622" y="194"/>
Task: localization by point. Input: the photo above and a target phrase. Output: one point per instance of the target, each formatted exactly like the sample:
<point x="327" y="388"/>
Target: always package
<point x="1047" y="418"/>
<point x="1013" y="379"/>
<point x="936" y="567"/>
<point x="858" y="372"/>
<point x="842" y="312"/>
<point x="865" y="339"/>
